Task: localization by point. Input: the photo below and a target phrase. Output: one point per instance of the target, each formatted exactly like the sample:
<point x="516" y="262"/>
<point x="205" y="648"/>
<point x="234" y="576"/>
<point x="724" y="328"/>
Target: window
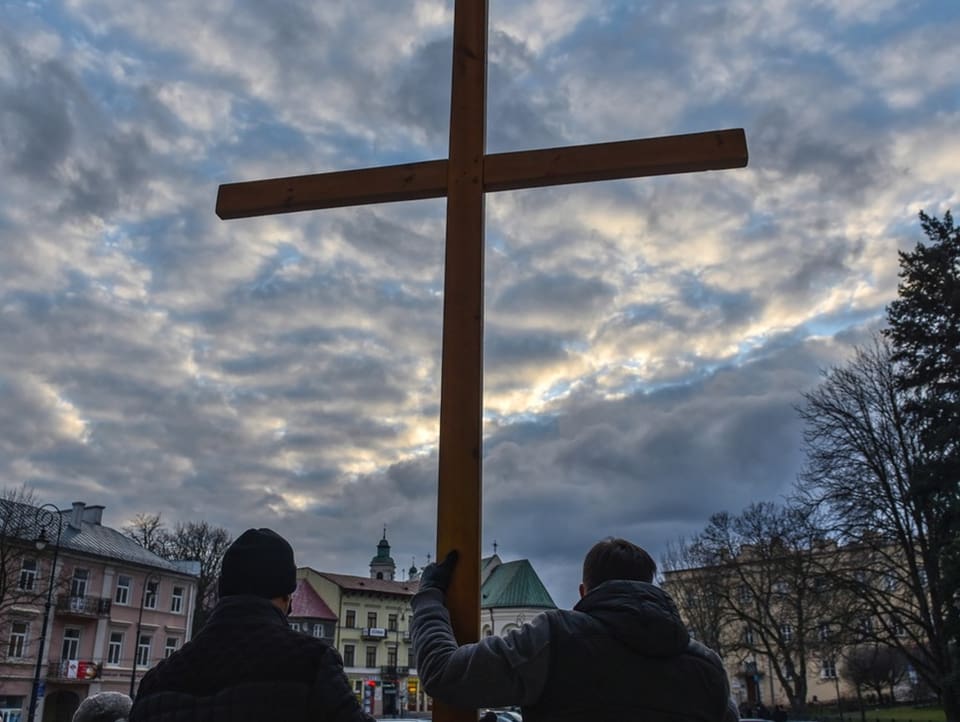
<point x="411" y="658"/>
<point x="866" y="626"/>
<point x="371" y="619"/>
<point x="18" y="640"/>
<point x="152" y="591"/>
<point x="744" y="594"/>
<point x="78" y="585"/>
<point x="828" y="668"/>
<point x="317" y="630"/>
<point x="781" y="587"/>
<point x="171" y="646"/>
<point x="28" y="574"/>
<point x="71" y="644"/>
<point x="122" y="595"/>
<point x="295" y="626"/>
<point x="748" y="635"/>
<point x="348" y="654"/>
<point x="889" y="583"/>
<point x="392" y="622"/>
<point x="176" y="600"/>
<point x="115" y="648"/>
<point x="11" y="709"/>
<point x="786" y="631"/>
<point x="392" y="656"/>
<point x="823" y="631"/>
<point x="143" y="650"/>
<point x="351" y="621"/>
<point x="371" y="656"/>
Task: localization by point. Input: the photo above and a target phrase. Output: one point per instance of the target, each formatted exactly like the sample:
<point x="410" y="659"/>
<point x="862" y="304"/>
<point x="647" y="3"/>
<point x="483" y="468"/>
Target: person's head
<point x="104" y="707"/>
<point x="615" y="559"/>
<point x="259" y="562"/>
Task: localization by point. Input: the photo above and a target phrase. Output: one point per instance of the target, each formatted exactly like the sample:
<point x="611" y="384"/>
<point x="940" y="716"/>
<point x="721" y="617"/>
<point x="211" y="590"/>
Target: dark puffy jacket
<point x="621" y="654"/>
<point x="247" y="664"/>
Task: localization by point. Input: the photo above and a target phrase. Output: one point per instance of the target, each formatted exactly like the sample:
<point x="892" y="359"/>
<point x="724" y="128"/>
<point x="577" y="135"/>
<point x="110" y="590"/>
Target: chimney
<point x="93" y="514"/>
<point x="76" y="518"/>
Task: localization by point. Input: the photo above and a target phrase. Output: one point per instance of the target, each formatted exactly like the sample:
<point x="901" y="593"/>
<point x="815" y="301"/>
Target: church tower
<point x="382" y="566"/>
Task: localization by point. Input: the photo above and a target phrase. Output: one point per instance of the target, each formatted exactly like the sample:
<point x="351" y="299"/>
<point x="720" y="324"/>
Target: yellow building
<point x="372" y="632"/>
<point x="772" y="616"/>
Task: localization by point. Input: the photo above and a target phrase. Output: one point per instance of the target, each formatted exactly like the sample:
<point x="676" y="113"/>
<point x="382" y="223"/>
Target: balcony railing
<point x="84" y="606"/>
<point x="78" y="670"/>
<point x="388" y="672"/>
<point x="373" y="633"/>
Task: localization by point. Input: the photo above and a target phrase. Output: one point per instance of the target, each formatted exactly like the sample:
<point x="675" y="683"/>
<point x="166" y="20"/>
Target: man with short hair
<point x="622" y="653"/>
<point x="246" y="663"/>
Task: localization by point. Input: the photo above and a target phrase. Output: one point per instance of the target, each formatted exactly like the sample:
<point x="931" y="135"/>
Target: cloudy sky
<point x="646" y="340"/>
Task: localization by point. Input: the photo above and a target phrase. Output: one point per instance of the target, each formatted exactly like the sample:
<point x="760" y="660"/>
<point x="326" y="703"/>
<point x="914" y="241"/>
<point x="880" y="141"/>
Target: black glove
<point x="437" y="576"/>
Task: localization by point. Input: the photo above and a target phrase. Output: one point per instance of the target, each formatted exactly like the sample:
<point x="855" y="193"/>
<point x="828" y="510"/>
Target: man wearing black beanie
<point x="246" y="663"/>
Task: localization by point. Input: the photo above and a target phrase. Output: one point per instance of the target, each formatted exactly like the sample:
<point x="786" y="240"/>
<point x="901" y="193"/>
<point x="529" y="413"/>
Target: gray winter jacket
<point x="622" y="653"/>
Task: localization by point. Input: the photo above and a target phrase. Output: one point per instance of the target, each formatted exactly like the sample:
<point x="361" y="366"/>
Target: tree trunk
<point x="951" y="702"/>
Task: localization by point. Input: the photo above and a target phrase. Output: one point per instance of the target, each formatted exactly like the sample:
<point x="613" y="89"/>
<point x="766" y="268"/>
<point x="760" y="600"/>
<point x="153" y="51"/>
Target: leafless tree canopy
<point x="189" y="541"/>
<point x="861" y="454"/>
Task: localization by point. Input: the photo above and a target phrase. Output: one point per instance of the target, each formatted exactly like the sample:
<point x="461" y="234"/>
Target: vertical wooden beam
<point x="461" y="384"/>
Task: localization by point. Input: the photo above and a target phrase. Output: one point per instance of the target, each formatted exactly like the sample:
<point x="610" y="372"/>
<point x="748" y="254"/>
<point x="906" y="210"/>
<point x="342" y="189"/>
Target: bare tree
<point x="197" y="541"/>
<point x="205" y="543"/>
<point x="875" y="667"/>
<point x="775" y="591"/>
<point x="149" y="531"/>
<point x="698" y="594"/>
<point x="861" y="453"/>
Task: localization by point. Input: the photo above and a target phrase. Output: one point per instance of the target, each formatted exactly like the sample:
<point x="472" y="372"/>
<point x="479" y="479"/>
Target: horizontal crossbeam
<point x="714" y="150"/>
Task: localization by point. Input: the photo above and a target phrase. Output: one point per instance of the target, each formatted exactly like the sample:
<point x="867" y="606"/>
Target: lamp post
<point x="401" y="617"/>
<point x="136" y="642"/>
<point x="46" y="514"/>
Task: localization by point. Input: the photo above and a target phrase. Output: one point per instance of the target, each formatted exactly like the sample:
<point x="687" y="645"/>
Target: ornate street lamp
<point x="47" y="514"/>
<point x="136" y="642"/>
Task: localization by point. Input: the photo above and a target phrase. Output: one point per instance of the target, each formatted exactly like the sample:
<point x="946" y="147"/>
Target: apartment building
<point x="115" y="609"/>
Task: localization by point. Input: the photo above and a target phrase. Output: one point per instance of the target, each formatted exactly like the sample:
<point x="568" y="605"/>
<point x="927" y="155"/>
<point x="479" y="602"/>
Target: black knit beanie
<point x="259" y="562"/>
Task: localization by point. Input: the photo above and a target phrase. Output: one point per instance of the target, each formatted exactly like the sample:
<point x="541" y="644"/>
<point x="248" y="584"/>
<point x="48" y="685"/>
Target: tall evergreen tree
<point x="924" y="327"/>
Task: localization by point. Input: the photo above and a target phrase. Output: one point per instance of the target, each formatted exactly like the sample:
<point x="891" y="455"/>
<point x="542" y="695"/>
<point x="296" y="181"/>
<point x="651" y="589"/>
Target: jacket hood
<point x="639" y="614"/>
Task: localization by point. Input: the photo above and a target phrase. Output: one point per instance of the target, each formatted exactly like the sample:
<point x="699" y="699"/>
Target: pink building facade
<point x="116" y="609"/>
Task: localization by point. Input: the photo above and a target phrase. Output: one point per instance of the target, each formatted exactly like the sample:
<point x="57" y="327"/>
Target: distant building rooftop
<point x="307" y="603"/>
<point x="81" y="531"/>
<point x="352" y="583"/>
<point x="514" y="584"/>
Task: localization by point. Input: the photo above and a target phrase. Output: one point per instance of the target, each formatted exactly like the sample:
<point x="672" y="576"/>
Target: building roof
<point x="307" y="603"/>
<point x="350" y="583"/>
<point x="514" y="584"/>
<point x="26" y="523"/>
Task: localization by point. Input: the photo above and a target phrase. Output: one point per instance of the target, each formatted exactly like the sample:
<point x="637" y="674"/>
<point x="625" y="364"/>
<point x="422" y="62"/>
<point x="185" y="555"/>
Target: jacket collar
<point x="246" y="609"/>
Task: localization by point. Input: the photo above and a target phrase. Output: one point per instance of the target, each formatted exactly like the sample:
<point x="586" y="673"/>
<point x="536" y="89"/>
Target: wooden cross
<point x="464" y="177"/>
